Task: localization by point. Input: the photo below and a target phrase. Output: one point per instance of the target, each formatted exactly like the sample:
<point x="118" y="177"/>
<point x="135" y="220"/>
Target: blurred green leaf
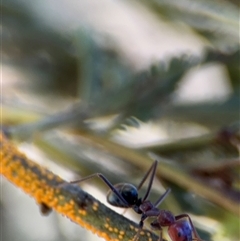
<point x="216" y="20"/>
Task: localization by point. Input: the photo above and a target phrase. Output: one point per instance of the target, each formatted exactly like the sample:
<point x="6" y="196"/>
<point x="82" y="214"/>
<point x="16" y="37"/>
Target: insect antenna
<point x="152" y="171"/>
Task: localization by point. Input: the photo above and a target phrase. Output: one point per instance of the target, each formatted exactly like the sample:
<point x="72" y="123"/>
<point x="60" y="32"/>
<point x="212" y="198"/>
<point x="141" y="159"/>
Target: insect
<point x="125" y="195"/>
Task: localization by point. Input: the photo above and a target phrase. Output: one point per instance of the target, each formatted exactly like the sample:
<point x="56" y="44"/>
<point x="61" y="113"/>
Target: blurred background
<point x="110" y="86"/>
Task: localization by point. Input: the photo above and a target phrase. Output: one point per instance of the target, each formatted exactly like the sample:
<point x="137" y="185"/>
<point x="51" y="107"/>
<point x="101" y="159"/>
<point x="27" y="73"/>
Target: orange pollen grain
<point x="61" y="197"/>
<point x="95" y="208"/>
<point x="131" y="227"/>
<point x="82" y="212"/>
<point x="120" y="236"/>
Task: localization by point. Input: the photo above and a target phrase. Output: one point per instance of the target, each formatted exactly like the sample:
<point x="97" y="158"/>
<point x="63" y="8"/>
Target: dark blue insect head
<point x="127" y="191"/>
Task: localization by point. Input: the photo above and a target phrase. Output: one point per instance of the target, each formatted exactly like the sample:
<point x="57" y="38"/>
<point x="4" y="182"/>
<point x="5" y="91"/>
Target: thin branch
<point x="69" y="200"/>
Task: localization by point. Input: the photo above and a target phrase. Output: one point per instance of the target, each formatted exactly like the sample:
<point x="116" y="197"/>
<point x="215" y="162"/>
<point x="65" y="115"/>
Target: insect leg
<point x="159" y="201"/>
<point x="153" y="170"/>
<point x="156" y="226"/>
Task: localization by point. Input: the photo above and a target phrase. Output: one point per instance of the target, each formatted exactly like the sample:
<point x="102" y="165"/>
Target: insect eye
<point x="130" y="194"/>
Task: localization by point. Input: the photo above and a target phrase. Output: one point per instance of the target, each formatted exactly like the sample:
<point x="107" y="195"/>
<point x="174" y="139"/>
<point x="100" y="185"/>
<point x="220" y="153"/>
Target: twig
<point x="69" y="200"/>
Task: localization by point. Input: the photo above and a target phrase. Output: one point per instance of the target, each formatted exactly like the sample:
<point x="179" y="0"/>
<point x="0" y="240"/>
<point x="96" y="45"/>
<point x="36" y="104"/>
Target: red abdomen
<point x="180" y="231"/>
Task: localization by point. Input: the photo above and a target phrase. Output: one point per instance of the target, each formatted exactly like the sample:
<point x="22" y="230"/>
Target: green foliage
<point x="216" y="20"/>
